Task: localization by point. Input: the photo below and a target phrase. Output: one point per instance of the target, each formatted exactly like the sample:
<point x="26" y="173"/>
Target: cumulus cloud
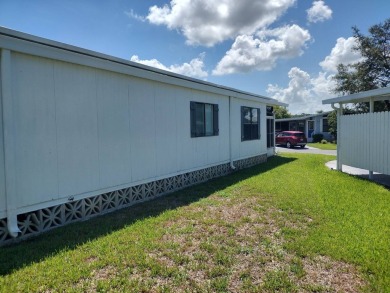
<point x="250" y="53"/>
<point x="135" y="16"/>
<point x="304" y="93"/>
<point x="207" y="23"/>
<point x="319" y="12"/>
<point x="343" y="53"/>
<point x="192" y="69"/>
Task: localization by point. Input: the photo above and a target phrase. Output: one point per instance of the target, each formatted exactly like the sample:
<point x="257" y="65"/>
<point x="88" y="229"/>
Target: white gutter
<point x="230" y="135"/>
<point x="6" y="95"/>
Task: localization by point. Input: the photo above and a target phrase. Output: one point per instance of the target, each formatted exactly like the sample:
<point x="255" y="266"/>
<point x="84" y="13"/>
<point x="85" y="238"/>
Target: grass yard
<point x="289" y="225"/>
<point x="323" y="146"/>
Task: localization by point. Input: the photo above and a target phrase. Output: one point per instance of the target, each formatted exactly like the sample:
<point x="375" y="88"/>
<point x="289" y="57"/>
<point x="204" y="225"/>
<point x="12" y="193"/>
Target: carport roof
<point x="308" y="116"/>
<point x="375" y="95"/>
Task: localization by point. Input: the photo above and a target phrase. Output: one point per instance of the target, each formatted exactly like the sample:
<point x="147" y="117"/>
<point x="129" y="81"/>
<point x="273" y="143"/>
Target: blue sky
<point x="285" y="49"/>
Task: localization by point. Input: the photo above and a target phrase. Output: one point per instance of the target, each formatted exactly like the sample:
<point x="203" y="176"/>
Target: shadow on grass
<point x="69" y="237"/>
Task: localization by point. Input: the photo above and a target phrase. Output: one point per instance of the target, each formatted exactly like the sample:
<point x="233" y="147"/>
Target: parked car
<point x="291" y="139"/>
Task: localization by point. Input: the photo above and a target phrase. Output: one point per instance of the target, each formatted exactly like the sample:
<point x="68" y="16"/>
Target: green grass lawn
<point x="289" y="225"/>
<point x="323" y="146"/>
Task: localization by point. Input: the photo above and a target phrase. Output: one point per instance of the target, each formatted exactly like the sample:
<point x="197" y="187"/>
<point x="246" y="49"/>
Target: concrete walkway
<point x="306" y="150"/>
<point x="377" y="177"/>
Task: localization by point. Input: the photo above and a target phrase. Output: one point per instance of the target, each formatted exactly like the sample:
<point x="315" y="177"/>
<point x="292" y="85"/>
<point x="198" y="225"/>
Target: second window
<point x="250" y="123"/>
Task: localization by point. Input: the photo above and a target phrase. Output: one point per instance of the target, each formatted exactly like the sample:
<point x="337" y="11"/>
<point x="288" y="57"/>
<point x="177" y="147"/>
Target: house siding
<point x="77" y="129"/>
<point x="2" y="166"/>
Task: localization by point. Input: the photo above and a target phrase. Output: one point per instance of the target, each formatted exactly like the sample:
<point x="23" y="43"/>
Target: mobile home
<point x="83" y="133"/>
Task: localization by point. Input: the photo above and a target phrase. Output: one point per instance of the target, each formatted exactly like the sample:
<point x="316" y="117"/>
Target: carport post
<point x="371" y="173"/>
<point x="339" y="113"/>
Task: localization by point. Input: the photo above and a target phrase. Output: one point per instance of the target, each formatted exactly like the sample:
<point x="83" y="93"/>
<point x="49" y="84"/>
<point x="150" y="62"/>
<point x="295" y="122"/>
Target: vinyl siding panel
<point x="79" y="130"/>
<point x="2" y="164"/>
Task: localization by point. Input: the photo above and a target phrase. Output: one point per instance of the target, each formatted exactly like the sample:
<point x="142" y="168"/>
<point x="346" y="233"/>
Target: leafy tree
<point x="281" y="112"/>
<point x="371" y="73"/>
<point x="332" y="122"/>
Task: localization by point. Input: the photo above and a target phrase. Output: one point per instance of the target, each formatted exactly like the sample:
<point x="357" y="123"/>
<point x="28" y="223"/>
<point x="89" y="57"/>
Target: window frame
<point x="252" y="124"/>
<point x="325" y="126"/>
<point x="194" y="122"/>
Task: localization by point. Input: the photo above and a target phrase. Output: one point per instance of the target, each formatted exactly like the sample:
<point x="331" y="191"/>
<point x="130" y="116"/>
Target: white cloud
<point x="135" y="16"/>
<point x="304" y="93"/>
<point x="319" y="12"/>
<point x="205" y="22"/>
<point x="249" y="53"/>
<point x="341" y="53"/>
<point x="193" y="69"/>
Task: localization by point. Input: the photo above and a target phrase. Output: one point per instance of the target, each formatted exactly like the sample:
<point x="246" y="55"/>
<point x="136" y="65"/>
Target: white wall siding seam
<point x="3" y="205"/>
<point x="8" y="132"/>
<point x="55" y="119"/>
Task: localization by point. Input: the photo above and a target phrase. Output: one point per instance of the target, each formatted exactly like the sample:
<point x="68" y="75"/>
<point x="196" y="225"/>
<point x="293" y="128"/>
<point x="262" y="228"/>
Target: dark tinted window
<point x="325" y="126"/>
<point x="204" y="119"/>
<point x="299" y="135"/>
<point x="250" y="123"/>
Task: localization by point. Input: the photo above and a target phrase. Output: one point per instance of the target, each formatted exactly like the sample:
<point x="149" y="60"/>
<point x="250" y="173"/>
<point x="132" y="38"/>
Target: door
<point x="310" y="129"/>
<point x="270" y="132"/>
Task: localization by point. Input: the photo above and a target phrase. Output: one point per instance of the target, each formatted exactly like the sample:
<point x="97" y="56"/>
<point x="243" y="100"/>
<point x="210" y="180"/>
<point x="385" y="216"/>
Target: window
<point x="293" y="126"/>
<point x="250" y="123"/>
<point x="270" y="133"/>
<point x="204" y="119"/>
<point x="270" y="111"/>
<point x="301" y="126"/>
<point x="325" y="126"/>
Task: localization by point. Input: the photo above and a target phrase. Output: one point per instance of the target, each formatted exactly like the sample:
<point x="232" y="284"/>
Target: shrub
<point x="324" y="141"/>
<point x="318" y="137"/>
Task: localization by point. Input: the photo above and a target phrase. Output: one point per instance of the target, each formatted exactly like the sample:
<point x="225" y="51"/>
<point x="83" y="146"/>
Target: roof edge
<point x="376" y="94"/>
<point x="78" y="50"/>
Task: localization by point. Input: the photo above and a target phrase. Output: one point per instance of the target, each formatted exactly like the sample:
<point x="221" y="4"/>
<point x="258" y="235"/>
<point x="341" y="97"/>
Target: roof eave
<point x="137" y="66"/>
<point x="376" y="95"/>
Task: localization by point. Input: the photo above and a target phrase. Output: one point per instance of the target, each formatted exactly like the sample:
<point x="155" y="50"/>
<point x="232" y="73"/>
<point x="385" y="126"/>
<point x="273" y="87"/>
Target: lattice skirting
<point x="36" y="222"/>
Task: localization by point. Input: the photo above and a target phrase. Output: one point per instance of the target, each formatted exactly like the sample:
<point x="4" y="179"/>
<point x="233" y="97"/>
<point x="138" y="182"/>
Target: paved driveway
<point x="306" y="150"/>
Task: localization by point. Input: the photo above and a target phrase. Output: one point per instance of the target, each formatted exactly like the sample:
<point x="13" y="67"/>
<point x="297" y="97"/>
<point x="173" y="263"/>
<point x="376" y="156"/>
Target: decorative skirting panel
<point x="36" y="222"/>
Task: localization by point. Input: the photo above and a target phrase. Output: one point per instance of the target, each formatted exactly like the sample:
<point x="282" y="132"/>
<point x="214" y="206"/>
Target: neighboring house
<point x="83" y="133"/>
<point x="363" y="140"/>
<point x="308" y="124"/>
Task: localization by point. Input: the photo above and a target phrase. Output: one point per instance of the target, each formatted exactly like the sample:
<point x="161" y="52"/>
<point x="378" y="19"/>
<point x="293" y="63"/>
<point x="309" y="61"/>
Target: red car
<point x="291" y="139"/>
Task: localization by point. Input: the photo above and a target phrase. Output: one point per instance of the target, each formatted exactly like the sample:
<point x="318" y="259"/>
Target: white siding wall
<point x="78" y="130"/>
<point x="2" y="173"/>
<point x="365" y="141"/>
<point x="245" y="149"/>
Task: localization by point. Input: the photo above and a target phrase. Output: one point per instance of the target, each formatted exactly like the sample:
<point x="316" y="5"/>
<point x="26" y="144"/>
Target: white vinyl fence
<point x="365" y="141"/>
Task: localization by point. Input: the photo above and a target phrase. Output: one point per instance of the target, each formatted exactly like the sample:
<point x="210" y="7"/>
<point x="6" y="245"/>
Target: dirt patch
<point x="335" y="275"/>
<point x="242" y="247"/>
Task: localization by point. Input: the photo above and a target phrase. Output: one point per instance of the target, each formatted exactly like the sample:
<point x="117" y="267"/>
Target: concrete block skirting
<point x="42" y="220"/>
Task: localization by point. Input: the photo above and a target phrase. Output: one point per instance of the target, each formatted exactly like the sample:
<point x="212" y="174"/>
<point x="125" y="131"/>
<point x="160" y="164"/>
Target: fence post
<point x="339" y="113"/>
<point x="371" y="173"/>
